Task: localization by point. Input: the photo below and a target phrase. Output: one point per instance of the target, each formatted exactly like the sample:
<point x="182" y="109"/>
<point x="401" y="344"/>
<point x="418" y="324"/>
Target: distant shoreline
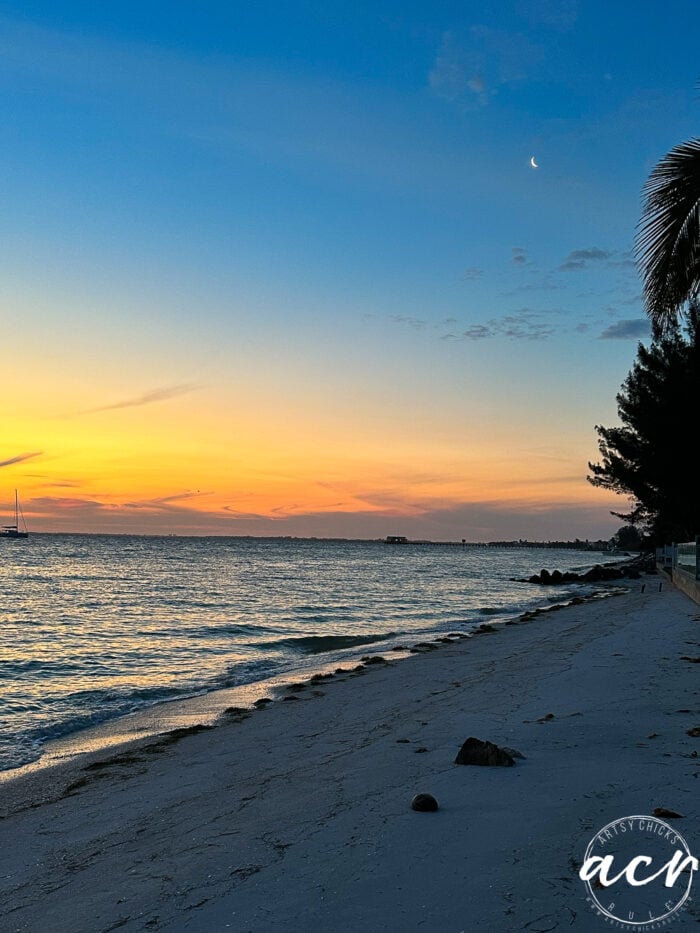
<point x="601" y="545"/>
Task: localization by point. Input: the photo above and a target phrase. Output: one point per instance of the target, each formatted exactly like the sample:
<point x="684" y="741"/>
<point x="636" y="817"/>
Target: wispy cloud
<point x="470" y="68"/>
<point x="524" y="324"/>
<point x="165" y="503"/>
<point x="415" y="322"/>
<point x="148" y="398"/>
<point x="66" y="504"/>
<point x="584" y="258"/>
<point x="20" y="458"/>
<point x="472" y="273"/>
<point x="627" y="330"/>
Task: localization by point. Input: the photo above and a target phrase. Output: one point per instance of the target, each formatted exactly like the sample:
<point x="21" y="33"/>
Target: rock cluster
<point x="629" y="570"/>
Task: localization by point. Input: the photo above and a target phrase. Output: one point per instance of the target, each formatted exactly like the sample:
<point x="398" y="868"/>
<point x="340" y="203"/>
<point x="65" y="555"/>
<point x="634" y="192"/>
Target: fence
<point x="683" y="563"/>
<point x="687" y="558"/>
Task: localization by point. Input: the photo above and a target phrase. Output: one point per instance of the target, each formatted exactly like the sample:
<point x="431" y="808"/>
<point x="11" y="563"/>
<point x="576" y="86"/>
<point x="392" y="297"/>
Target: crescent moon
<point x="533" y="163"/>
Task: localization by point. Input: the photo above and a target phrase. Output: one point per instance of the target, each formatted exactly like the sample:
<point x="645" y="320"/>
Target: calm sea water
<point x="94" y="627"/>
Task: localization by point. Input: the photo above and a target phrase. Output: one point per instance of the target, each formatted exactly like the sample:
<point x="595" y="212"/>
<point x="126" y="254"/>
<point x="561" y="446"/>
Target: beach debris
<point x="684" y="657"/>
<point x="548" y="717"/>
<point x="246" y="871"/>
<point x="485" y="627"/>
<point x="694" y="732"/>
<point x="418" y="751"/>
<point x="669" y="814"/>
<point x="235" y="713"/>
<point x="477" y="752"/>
<point x="653" y="735"/>
<point x="424" y="803"/>
<point x="403" y="741"/>
<point x="174" y="735"/>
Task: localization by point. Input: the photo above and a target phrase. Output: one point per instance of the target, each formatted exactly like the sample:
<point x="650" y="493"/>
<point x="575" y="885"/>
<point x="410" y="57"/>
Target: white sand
<point x="298" y="818"/>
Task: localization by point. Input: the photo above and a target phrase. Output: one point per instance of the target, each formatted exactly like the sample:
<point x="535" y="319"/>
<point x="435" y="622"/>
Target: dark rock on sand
<point x="424" y="803"/>
<point x="476" y="752"/>
<point x="669" y="814"/>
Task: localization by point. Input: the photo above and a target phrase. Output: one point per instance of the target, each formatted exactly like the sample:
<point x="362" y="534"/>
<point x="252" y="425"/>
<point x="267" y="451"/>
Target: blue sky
<point x="324" y="216"/>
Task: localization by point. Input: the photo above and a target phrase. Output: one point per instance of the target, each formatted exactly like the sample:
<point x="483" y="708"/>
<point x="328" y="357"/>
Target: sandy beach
<point x="296" y="815"/>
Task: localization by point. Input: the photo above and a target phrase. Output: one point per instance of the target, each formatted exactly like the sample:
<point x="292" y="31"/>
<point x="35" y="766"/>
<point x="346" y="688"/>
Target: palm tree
<point x="668" y="239"/>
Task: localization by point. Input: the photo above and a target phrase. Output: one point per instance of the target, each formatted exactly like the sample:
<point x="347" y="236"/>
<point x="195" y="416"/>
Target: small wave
<point x="209" y="631"/>
<point x="317" y="644"/>
<point x="17" y="751"/>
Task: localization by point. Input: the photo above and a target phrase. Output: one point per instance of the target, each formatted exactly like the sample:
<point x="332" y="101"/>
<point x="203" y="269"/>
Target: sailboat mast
<point x="16" y="511"/>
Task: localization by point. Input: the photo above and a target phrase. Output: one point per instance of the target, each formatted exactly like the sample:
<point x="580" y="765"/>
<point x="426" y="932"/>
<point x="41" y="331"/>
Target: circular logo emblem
<point x="638" y="872"/>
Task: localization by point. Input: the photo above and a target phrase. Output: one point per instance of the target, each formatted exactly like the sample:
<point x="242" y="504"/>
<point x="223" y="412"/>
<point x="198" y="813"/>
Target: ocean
<point x="98" y="626"/>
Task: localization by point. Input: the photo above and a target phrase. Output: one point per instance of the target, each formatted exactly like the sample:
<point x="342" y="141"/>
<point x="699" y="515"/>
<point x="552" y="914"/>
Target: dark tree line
<point x="651" y="457"/>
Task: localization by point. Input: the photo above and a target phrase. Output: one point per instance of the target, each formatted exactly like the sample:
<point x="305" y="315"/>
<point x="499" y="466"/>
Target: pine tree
<point x="650" y="458"/>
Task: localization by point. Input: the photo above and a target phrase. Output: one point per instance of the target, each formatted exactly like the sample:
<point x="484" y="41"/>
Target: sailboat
<point x="14" y="531"/>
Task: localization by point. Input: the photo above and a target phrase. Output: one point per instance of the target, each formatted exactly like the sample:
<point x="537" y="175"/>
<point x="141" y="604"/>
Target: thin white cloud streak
<point x="20" y="458"/>
<point x="148" y="398"/>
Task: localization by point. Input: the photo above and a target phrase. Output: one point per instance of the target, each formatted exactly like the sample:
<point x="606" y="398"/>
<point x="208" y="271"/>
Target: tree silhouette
<point x="668" y="239"/>
<point x="650" y="457"/>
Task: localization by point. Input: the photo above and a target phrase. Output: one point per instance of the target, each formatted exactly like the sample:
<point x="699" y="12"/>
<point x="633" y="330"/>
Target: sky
<point x="334" y="269"/>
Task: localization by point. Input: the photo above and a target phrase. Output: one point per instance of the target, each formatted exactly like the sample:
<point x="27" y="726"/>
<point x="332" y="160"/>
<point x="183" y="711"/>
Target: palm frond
<point x="668" y="238"/>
